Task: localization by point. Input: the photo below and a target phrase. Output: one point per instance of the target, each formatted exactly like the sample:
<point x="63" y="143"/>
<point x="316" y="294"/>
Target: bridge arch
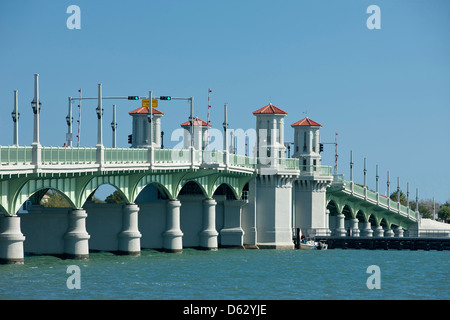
<point x="333" y="207"/>
<point x="164" y="183"/>
<point x="121" y="183"/>
<point x="66" y="187"/>
<point x="192" y="187"/>
<point x="226" y="190"/>
<point x="361" y="215"/>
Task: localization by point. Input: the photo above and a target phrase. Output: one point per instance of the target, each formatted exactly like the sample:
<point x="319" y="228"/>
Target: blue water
<point x="232" y="274"/>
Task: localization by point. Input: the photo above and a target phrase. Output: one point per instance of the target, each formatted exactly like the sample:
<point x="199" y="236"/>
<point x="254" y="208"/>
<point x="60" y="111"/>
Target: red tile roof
<point x="306" y="122"/>
<point x="269" y="109"/>
<point x="145" y="110"/>
<point x="197" y="122"/>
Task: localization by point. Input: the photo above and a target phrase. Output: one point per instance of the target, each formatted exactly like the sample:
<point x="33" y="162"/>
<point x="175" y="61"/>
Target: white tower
<point x="310" y="187"/>
<point x="273" y="185"/>
<point x="141" y="128"/>
<point x="270" y="132"/>
<point x="200" y="133"/>
<point x="307" y="144"/>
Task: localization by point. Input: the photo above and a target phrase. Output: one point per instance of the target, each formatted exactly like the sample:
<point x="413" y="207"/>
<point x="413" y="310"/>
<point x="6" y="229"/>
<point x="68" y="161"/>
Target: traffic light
<point x="133" y="98"/>
<point x="130" y="138"/>
<point x="165" y="98"/>
<point x="321" y="147"/>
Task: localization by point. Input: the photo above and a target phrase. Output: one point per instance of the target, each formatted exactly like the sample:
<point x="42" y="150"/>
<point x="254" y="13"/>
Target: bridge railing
<point x="379" y="199"/>
<point x="172" y="155"/>
<point x="13" y="155"/>
<point x="316" y="170"/>
<point x="62" y="155"/>
<point x="125" y="155"/>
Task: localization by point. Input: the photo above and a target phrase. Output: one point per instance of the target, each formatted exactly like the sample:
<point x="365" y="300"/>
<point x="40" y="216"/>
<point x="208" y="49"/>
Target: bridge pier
<point x="354" y="226"/>
<point x="399" y="232"/>
<point x="366" y="230"/>
<point x="232" y="234"/>
<point x="208" y="236"/>
<point x="378" y="232"/>
<point x="130" y="237"/>
<point x="173" y="237"/>
<point x="11" y="240"/>
<point x="340" y="229"/>
<point x="389" y="233"/>
<point x="76" y="239"/>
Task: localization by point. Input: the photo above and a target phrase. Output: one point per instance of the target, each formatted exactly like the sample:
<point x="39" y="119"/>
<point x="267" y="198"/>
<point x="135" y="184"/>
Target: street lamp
<point x="33" y="105"/>
<point x="69" y="121"/>
<point x="15" y="116"/>
<point x="99" y="113"/>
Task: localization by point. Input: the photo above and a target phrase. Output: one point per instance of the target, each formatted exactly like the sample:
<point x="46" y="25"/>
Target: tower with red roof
<point x="141" y="128"/>
<point x="270" y="132"/>
<point x="307" y="143"/>
<point x="199" y="128"/>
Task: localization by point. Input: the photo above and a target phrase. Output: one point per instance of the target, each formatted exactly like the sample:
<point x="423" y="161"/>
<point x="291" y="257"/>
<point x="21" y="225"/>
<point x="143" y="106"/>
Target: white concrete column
<point x="378" y="231"/>
<point x="158" y="131"/>
<point x="11" y="240"/>
<point x="398" y="232"/>
<point x="232" y="234"/>
<point x="76" y="239"/>
<point x="130" y="237"/>
<point x="354" y="226"/>
<point x="366" y="230"/>
<point x="173" y="237"/>
<point x="389" y="233"/>
<point x="340" y="229"/>
<point x="208" y="236"/>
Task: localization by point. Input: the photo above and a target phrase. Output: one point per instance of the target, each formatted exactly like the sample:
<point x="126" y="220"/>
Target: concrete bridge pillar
<point x="208" y="236"/>
<point x="130" y="237"/>
<point x="340" y="227"/>
<point x="11" y="240"/>
<point x="354" y="226"/>
<point x="76" y="239"/>
<point x="398" y="232"/>
<point x="173" y="237"/>
<point x="378" y="231"/>
<point x="366" y="230"/>
<point x="389" y="233"/>
<point x="232" y="234"/>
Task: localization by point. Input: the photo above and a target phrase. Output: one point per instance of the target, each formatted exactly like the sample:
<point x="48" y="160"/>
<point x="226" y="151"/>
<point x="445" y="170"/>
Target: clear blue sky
<point x="385" y="92"/>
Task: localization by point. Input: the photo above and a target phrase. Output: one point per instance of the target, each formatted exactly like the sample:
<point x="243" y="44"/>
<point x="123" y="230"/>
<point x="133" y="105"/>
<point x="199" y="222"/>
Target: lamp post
<point x="36" y="106"/>
<point x="15" y="116"/>
<point x="114" y="127"/>
<point x="69" y="121"/>
<point x="99" y="111"/>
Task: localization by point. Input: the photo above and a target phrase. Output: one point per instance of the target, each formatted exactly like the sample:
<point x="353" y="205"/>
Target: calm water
<point x="234" y="274"/>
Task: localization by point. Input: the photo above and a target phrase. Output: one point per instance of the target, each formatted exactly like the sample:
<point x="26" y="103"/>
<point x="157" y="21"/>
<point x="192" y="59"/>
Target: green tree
<point x="115" y="197"/>
<point x="54" y="200"/>
<point x="444" y="212"/>
<point x="393" y="197"/>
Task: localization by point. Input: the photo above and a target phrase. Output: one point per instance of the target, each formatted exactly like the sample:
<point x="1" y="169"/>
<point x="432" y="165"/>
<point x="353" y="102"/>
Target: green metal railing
<point x="125" y="155"/>
<point x="380" y="199"/>
<point x="62" y="155"/>
<point x="171" y="155"/>
<point x="15" y="155"/>
<point x="12" y="155"/>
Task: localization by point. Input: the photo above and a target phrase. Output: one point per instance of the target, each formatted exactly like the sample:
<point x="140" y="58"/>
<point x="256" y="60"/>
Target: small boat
<point x="313" y="245"/>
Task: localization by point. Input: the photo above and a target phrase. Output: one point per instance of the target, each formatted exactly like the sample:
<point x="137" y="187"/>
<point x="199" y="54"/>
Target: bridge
<point x="177" y="198"/>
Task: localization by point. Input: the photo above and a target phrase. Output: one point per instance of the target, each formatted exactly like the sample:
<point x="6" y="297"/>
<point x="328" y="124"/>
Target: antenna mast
<point x="79" y="120"/>
<point x="207" y="120"/>
<point x="336" y="154"/>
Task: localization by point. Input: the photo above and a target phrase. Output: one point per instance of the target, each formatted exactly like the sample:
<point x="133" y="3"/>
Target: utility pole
<point x="15" y="116"/>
